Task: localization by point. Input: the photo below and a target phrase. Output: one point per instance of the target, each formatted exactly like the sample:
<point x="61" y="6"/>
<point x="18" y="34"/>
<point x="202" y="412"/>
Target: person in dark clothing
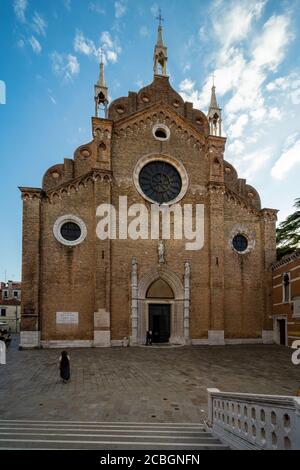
<point x="149" y="338"/>
<point x="64" y="367"/>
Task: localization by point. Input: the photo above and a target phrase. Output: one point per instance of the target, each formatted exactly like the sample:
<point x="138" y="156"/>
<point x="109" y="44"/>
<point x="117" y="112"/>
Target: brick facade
<point x="227" y="295"/>
<point x="286" y="299"/>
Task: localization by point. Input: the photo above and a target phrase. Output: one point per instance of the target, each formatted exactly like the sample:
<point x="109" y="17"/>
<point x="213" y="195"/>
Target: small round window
<point x="70" y="231"/>
<point x="240" y="243"/>
<point x="161" y="132"/>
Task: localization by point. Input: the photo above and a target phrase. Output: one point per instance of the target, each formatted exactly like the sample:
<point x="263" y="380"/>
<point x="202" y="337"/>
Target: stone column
<point x="134" y="302"/>
<point x="216" y="190"/>
<point x="268" y="225"/>
<point x="186" y="314"/>
<point x="30" y="334"/>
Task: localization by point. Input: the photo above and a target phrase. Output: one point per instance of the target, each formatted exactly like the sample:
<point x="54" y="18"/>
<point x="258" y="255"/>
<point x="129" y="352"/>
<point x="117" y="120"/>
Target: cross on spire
<point x="160" y="51"/>
<point x="101" y="55"/>
<point x="160" y="18"/>
<point x="213" y="78"/>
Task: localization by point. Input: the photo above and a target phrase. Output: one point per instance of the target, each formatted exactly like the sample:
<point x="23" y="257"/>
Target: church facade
<point x="153" y="149"/>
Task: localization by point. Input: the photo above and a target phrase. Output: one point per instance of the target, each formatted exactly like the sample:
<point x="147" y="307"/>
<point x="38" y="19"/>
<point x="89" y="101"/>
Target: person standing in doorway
<point x="64" y="367"/>
<point x="149" y="338"/>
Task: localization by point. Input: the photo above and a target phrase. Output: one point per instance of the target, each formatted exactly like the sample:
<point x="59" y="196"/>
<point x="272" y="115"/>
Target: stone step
<point x="26" y="434"/>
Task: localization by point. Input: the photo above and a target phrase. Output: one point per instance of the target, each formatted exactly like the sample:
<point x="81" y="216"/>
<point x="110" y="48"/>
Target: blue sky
<point x="49" y="62"/>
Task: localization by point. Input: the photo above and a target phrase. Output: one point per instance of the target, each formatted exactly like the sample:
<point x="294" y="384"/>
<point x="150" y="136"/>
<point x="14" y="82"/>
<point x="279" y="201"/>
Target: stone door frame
<point x="140" y="305"/>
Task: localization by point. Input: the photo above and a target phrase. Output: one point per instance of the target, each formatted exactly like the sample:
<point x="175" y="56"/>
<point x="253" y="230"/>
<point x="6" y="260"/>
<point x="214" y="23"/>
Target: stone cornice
<point x="31" y="193"/>
<point x="241" y="201"/>
<point x="158" y="108"/>
<point x="75" y="184"/>
<point x="270" y="214"/>
<point x="267" y="214"/>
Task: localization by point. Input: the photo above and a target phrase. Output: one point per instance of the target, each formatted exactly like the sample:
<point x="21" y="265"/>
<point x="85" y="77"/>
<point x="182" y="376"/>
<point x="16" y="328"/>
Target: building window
<point x="286" y="288"/>
<point x="16" y="294"/>
<point x="3" y="312"/>
<point x="160" y="181"/>
<point x="5" y="293"/>
<point x="70" y="230"/>
<point x="161" y="132"/>
<point x="240" y="243"/>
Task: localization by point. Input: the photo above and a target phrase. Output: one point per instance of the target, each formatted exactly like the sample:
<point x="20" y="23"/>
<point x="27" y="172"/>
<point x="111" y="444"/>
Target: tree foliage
<point x="288" y="233"/>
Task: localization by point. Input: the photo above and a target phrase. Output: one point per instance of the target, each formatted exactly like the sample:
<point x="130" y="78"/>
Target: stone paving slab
<point x="139" y="384"/>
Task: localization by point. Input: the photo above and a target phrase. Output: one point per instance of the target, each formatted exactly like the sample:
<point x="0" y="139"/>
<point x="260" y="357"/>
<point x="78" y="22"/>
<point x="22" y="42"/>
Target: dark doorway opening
<point x="282" y="332"/>
<point x="159" y="322"/>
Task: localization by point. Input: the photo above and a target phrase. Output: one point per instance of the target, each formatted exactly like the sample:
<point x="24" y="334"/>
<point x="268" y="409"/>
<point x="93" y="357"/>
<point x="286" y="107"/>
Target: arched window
<point x="286" y="288"/>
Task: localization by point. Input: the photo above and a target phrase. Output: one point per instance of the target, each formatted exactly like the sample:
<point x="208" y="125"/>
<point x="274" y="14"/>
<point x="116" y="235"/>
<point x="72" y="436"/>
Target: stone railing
<point x="262" y="422"/>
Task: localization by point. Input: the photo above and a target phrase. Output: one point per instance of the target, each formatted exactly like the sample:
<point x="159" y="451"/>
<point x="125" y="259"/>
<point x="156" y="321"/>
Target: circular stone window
<point x="160" y="179"/>
<point x="70" y="230"/>
<point x="161" y="132"/>
<point x="160" y="182"/>
<point x="240" y="243"/>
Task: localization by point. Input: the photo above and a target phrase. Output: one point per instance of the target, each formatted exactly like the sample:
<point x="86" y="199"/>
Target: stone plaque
<point x="67" y="318"/>
<point x="297" y="308"/>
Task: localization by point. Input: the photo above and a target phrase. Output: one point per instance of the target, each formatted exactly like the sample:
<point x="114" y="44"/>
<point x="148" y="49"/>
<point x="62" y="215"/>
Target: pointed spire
<point x="214" y="113"/>
<point x="213" y="100"/>
<point x="101" y="81"/>
<point x="101" y="90"/>
<point x="160" y="51"/>
<point x="160" y="40"/>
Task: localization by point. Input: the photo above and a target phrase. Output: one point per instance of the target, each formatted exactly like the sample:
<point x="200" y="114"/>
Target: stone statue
<point x="161" y="252"/>
<point x="187" y="269"/>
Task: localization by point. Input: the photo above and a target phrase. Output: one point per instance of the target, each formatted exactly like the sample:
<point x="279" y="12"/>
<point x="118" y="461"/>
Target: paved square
<point x="138" y="384"/>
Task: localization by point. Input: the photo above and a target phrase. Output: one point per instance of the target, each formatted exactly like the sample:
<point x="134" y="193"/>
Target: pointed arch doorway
<point x="158" y="302"/>
<point x="159" y="296"/>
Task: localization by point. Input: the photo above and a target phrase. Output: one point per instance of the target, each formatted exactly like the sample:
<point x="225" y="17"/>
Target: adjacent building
<point x="10" y="306"/>
<point x="149" y="148"/>
<point x="286" y="299"/>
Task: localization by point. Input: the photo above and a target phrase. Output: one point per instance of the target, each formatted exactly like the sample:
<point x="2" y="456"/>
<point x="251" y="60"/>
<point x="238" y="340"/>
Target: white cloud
<point x="35" y="44"/>
<point x="110" y="46"/>
<point x="20" y="7"/>
<point x="39" y="24"/>
<point x="275" y="114"/>
<point x="120" y="9"/>
<point x="237" y="128"/>
<point x="289" y="158"/>
<point x="288" y="87"/>
<point x="86" y="46"/>
<point x="154" y="9"/>
<point x="236" y="147"/>
<point x="106" y="40"/>
<point x="247" y="56"/>
<point x="270" y="46"/>
<point x="186" y="85"/>
<point x="65" y="66"/>
<point x="189" y="93"/>
<point x="96" y="8"/>
<point x="253" y="162"/>
<point x="234" y="20"/>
